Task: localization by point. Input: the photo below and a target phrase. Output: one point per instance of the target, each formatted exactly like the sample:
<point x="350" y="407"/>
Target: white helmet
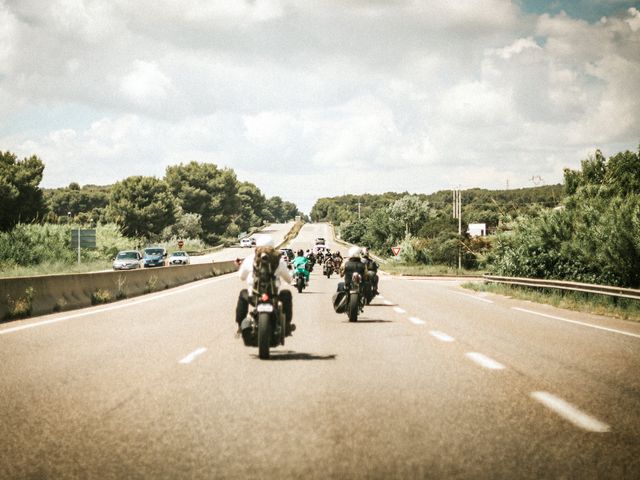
<point x="265" y="241"/>
<point x="354" y="252"/>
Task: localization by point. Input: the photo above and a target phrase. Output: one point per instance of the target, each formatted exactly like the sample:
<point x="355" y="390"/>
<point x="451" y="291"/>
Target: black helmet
<point x="300" y="253"/>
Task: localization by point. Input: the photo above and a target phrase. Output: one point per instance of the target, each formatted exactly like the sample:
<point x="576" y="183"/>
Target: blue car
<point x="154" y="257"/>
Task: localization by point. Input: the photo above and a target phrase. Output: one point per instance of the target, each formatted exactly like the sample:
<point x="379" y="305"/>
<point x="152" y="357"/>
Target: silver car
<point x="179" y="258"/>
<point x="127" y="260"/>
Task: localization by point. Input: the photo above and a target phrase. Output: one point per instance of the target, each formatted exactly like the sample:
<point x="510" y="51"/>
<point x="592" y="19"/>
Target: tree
<point x="142" y="206"/>
<point x="211" y="192"/>
<point x="411" y="212"/>
<point x="22" y="199"/>
<point x="88" y="202"/>
<point x="252" y="206"/>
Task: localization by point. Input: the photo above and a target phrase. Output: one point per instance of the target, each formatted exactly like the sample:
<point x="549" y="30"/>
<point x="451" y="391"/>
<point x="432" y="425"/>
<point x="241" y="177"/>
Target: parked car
<point x="179" y="258"/>
<point x="154" y="257"/>
<point x="320" y="241"/>
<point x="127" y="260"/>
<point x="248" y="242"/>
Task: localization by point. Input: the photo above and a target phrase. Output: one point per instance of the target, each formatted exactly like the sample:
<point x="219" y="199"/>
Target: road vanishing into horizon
<point x="433" y="381"/>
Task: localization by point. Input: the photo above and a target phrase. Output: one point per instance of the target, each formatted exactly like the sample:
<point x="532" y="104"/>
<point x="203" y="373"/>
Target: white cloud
<point x="412" y="95"/>
<point x="146" y="85"/>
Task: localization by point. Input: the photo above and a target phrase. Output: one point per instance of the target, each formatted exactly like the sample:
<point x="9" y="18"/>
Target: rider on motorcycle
<point x="371" y="270"/>
<point x="301" y="263"/>
<point x="264" y="243"/>
<point x="353" y="263"/>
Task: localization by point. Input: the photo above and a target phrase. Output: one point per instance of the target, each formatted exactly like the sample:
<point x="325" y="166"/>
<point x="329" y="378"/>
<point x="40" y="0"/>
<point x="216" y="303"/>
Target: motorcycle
<point x="356" y="299"/>
<point x="299" y="278"/>
<point x="367" y="288"/>
<point x="328" y="267"/>
<point x="265" y="326"/>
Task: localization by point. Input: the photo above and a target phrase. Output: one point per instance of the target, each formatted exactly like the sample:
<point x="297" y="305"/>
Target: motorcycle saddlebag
<point x="340" y="301"/>
<point x="248" y="333"/>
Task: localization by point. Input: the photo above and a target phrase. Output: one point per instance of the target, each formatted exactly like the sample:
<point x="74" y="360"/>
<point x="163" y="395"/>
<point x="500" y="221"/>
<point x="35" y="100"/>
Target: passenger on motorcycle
<point x="264" y="244"/>
<point x="300" y="264"/>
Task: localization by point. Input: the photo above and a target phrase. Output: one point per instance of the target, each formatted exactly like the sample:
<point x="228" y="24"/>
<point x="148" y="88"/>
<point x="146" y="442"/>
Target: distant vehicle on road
<point x="320" y="241"/>
<point x="248" y="242"/>
<point x="179" y="258"/>
<point x="127" y="260"/>
<point x="154" y="257"/>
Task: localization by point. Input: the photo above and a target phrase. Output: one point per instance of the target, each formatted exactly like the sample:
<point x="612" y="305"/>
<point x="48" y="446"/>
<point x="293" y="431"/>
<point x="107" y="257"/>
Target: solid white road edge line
<point x="130" y="303"/>
<point x="621" y="332"/>
<point x="443" y="337"/>
<point x="189" y="358"/>
<point x="399" y="310"/>
<point x="417" y="321"/>
<point x="485" y="361"/>
<point x="570" y="413"/>
<point x="473" y="296"/>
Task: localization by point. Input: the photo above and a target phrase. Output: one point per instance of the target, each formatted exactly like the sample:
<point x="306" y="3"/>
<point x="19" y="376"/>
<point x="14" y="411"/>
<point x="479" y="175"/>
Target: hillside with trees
<point x="423" y="225"/>
<point x="194" y="201"/>
<point x="587" y="229"/>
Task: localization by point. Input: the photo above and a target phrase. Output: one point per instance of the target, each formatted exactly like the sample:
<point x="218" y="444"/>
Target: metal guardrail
<point x="564" y="285"/>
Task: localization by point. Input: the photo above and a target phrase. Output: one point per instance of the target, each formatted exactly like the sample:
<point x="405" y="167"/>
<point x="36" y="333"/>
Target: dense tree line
<point x="423" y="225"/>
<point x="594" y="237"/>
<point x="193" y="200"/>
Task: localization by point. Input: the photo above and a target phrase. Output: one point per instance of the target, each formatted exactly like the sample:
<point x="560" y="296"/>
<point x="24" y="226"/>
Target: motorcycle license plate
<point x="265" y="307"/>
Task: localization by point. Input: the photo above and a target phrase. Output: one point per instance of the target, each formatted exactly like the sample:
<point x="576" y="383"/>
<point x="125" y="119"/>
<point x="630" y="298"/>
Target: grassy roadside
<point x="624" y="308"/>
<point x="54" y="268"/>
<point x="397" y="268"/>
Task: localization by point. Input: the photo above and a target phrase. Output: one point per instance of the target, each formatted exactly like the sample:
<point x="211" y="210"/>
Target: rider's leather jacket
<point x="351" y="265"/>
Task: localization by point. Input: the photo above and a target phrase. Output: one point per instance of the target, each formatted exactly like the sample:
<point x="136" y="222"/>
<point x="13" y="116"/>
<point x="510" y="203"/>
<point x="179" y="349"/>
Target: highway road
<point x="433" y="381"/>
<point x="277" y="230"/>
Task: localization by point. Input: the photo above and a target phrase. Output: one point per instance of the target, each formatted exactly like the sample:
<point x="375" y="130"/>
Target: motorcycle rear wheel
<point x="264" y="335"/>
<point x="354" y="306"/>
<point x="300" y="284"/>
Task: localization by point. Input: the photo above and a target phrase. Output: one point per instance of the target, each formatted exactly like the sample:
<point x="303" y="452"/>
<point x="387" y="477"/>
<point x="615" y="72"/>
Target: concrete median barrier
<point x="28" y="296"/>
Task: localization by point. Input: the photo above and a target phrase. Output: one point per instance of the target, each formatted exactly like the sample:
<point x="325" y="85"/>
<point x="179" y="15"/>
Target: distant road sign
<point x="395" y="250"/>
<point x="87" y="238"/>
<point x="180" y="243"/>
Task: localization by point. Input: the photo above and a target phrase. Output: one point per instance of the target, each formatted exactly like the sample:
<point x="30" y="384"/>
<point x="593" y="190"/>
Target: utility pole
<point x="457" y="213"/>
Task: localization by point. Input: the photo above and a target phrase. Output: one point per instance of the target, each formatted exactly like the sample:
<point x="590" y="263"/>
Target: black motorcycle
<point x="265" y="327"/>
<point x="328" y="267"/>
<point x="368" y="291"/>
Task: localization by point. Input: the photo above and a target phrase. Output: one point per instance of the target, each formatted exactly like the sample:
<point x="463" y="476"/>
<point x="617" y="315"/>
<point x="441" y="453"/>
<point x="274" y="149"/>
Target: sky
<point x="317" y="98"/>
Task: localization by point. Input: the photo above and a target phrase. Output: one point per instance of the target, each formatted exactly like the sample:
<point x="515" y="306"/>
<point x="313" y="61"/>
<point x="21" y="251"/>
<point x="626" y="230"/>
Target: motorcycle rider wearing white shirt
<point x="246" y="274"/>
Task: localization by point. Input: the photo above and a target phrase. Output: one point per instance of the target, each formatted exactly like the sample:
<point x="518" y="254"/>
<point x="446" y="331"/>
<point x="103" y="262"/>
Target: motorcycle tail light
<point x="356" y="277"/>
<point x="265" y="297"/>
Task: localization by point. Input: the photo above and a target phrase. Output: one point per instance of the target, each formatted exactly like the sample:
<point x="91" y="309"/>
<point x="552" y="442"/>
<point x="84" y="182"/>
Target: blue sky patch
<point x="589" y="10"/>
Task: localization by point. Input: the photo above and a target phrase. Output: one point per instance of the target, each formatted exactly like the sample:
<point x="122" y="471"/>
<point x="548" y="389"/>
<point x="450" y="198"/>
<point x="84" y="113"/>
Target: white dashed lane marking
<point x="417" y="321"/>
<point x="443" y="337"/>
<point x="387" y="302"/>
<point x="475" y="297"/>
<point x="570" y="413"/>
<point x="189" y="358"/>
<point x="399" y="310"/>
<point x="597" y="327"/>
<point x="485" y="361"/>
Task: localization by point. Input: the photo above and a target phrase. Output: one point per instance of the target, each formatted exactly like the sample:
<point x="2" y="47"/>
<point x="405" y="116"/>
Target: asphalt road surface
<point x="433" y="381"/>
